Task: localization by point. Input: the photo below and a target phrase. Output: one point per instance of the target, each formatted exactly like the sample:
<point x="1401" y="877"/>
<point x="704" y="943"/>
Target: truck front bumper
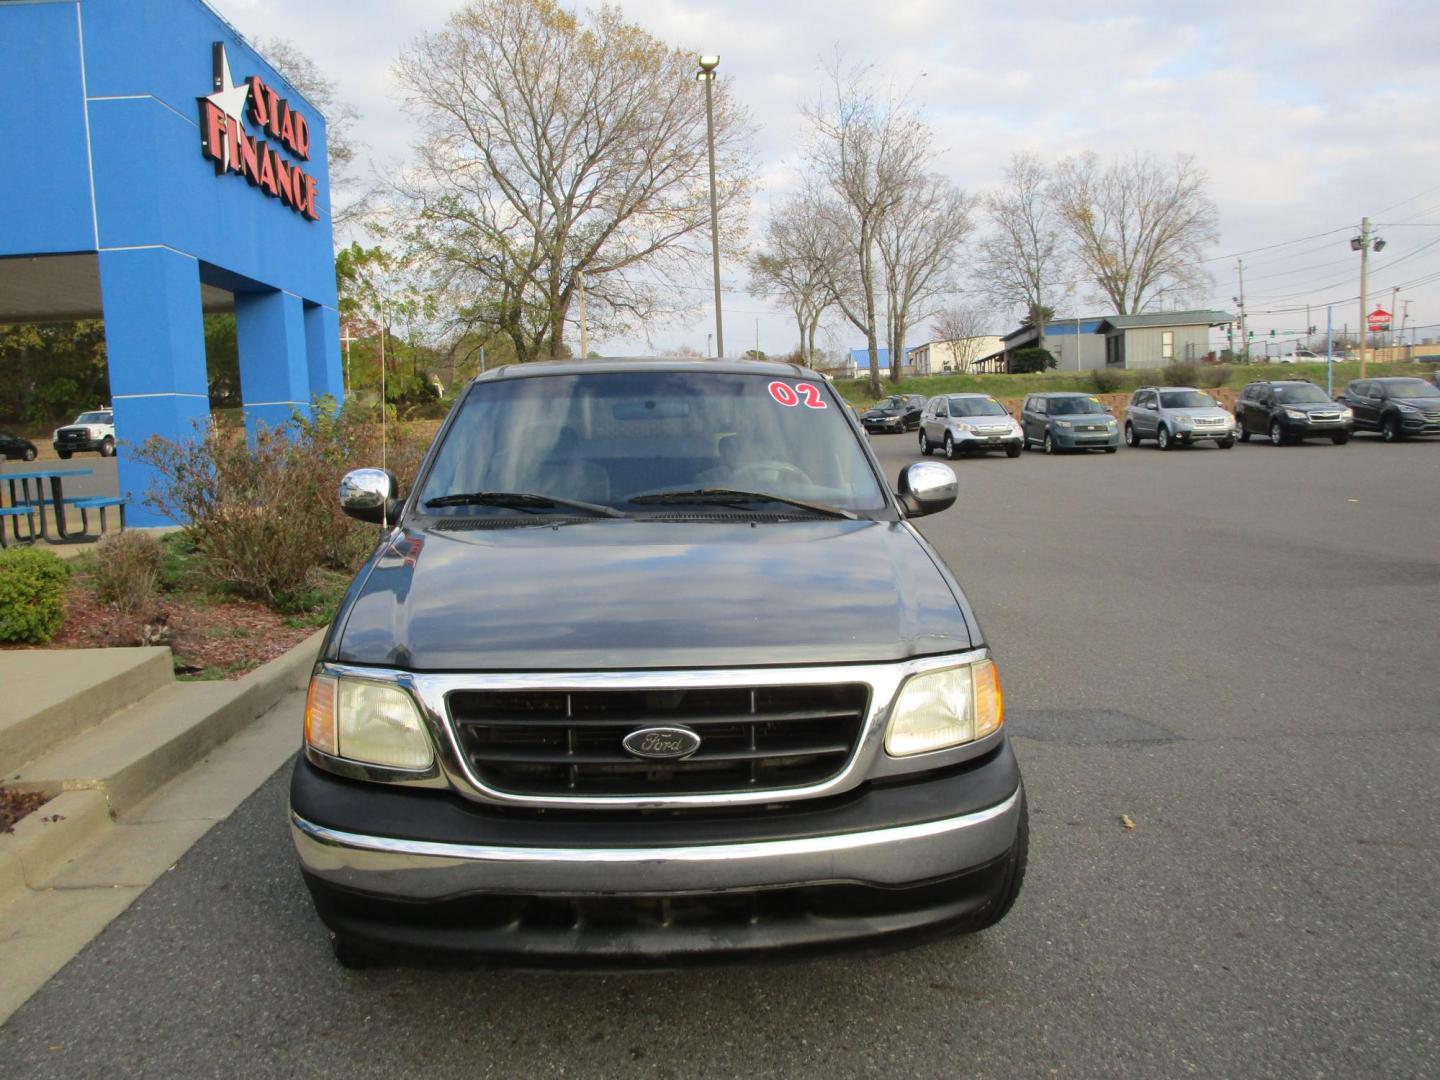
<point x="419" y="873"/>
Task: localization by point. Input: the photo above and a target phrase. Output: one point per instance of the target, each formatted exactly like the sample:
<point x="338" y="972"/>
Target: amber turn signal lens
<point x="320" y="715"/>
<point x="989" y="700"/>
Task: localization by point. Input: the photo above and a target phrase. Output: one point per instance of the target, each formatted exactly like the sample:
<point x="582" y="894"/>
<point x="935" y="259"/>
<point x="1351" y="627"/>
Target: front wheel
<point x="1240" y="432"/>
<point x="1224" y="444"/>
<point x="107" y="447"/>
<point x="925" y="447"/>
<point x="1131" y="439"/>
<point x="949" y="447"/>
<point x="1005" y="896"/>
<point x="29" y="454"/>
<point x="1049" y="444"/>
<point x="1390" y="429"/>
<point x="1013" y="450"/>
<point x="1340" y="438"/>
<point x="1164" y="439"/>
<point x="1277" y="433"/>
<point x="63" y="455"/>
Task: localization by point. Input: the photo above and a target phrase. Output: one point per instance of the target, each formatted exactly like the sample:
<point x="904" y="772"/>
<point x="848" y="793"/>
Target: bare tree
<point x="556" y="146"/>
<point x="962" y="328"/>
<point x="1023" y="260"/>
<point x="863" y="153"/>
<point x="921" y="241"/>
<point x="791" y="268"/>
<point x="349" y="199"/>
<point x="1138" y="225"/>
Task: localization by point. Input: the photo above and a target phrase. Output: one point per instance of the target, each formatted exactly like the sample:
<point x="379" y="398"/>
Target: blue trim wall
<point x="100" y="151"/>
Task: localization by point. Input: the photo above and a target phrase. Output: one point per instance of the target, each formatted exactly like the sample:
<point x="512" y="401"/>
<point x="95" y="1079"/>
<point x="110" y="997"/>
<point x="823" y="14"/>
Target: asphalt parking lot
<point x="1235" y="649"/>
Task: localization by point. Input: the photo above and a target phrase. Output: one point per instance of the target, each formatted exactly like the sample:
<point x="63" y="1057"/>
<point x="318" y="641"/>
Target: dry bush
<point x="1107" y="381"/>
<point x="1213" y="375"/>
<point x="1182" y="373"/>
<point x="127" y="571"/>
<point x="263" y="512"/>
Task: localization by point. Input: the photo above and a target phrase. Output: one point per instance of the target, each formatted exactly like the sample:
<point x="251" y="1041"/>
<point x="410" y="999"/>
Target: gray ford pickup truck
<point x="651" y="667"/>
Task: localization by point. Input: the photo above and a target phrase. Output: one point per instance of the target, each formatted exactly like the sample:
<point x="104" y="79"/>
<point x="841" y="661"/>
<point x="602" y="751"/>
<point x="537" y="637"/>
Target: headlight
<point x="960" y="425"/>
<point x="366" y="721"/>
<point x="1407" y="406"/>
<point x="944" y="709"/>
<point x="1184" y="421"/>
<point x="1347" y="414"/>
<point x="1063" y="424"/>
<point x="1295" y="414"/>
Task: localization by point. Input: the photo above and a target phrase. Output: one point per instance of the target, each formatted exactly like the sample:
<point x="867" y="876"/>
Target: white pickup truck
<point x="90" y="431"/>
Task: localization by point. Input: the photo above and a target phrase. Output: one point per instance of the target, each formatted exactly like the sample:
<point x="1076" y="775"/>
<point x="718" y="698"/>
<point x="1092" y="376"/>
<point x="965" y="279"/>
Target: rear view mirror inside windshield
<point x="650" y="410"/>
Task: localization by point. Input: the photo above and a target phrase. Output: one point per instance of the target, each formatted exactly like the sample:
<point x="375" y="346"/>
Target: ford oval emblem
<point x="662" y="742"/>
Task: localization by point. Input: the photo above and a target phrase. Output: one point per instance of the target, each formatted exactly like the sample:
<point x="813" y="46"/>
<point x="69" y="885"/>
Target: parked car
<point x="599" y="697"/>
<point x="1395" y="407"/>
<point x="14" y="448"/>
<point x="1057" y="422"/>
<point x="1176" y="416"/>
<point x="968" y="424"/>
<point x="90" y="431"/>
<point x="1288" y="411"/>
<point x="895" y="415"/>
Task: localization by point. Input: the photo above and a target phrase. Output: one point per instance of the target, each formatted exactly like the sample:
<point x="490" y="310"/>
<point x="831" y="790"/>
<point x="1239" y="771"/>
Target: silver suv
<point x="1176" y="414"/>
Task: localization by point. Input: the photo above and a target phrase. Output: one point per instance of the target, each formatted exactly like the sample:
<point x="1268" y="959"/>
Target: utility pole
<point x="1394" y="295"/>
<point x="1330" y="351"/>
<point x="757" y="338"/>
<point x="584" y="327"/>
<point x="1244" y="337"/>
<point x="1363" y="243"/>
<point x="708" y="64"/>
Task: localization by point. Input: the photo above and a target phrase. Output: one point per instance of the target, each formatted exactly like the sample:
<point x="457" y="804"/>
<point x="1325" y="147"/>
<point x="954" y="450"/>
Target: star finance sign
<point x="223" y="139"/>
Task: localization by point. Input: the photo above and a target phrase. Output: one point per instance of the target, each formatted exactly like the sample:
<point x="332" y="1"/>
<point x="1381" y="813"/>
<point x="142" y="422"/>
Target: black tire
<point x="1240" y="432"/>
<point x="1004" y="899"/>
<point x="63" y="455"/>
<point x="1163" y="439"/>
<point x="925" y="447"/>
<point x="1224" y="444"/>
<point x="1277" y="434"/>
<point x="1340" y="438"/>
<point x="1131" y="439"/>
<point x="29" y="454"/>
<point x="1049" y="445"/>
<point x="348" y="954"/>
<point x="107" y="447"/>
<point x="1013" y="451"/>
<point x="949" y="448"/>
<point x="1111" y="449"/>
<point x="1390" y="429"/>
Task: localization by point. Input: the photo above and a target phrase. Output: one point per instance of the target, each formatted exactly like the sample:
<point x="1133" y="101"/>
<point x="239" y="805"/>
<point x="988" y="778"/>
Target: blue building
<point x="153" y="167"/>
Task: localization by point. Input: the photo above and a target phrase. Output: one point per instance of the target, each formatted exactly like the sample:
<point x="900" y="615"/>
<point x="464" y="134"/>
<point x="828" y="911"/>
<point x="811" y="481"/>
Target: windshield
<point x="1412" y="388"/>
<point x="1068" y="406"/>
<point x="605" y="438"/>
<point x="960" y="406"/>
<point x="93" y="418"/>
<point x="887" y="405"/>
<point x="1185" y="399"/>
<point x="1298" y="395"/>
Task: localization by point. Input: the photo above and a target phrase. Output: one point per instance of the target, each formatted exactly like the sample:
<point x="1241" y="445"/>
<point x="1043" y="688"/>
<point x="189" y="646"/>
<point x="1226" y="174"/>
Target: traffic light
<point x="1272" y="333"/>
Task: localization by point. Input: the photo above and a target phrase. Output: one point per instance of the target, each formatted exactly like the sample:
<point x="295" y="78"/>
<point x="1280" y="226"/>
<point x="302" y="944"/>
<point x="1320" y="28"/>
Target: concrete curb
<point x="38" y="849"/>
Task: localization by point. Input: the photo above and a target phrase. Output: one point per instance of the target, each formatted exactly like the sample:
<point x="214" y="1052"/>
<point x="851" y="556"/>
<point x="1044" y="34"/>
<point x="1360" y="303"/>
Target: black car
<point x="895" y="415"/>
<point x="1395" y="407"/>
<point x="1289" y="411"/>
<point x="652" y="667"/>
<point x="14" y="448"/>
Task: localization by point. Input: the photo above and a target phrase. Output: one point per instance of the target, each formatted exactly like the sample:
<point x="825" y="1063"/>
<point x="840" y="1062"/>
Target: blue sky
<point x="1306" y="115"/>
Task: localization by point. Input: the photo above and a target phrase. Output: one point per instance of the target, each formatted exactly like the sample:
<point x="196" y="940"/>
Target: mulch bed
<point x="16" y="804"/>
<point x="231" y="636"/>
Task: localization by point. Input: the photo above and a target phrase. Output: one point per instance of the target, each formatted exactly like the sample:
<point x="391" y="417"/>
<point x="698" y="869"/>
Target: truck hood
<point x="628" y="594"/>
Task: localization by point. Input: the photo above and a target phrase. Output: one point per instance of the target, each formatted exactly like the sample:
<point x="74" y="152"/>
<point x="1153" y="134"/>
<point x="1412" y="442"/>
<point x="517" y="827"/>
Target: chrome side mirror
<point x="370" y="495"/>
<point x="927" y="487"/>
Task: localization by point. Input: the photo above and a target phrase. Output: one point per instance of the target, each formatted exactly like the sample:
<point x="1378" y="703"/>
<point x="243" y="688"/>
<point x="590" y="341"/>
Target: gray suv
<point x="1174" y="415"/>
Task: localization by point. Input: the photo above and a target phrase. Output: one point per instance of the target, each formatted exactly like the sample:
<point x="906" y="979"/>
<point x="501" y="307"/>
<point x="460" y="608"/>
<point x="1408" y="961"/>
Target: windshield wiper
<point x="730" y="496"/>
<point x="521" y="500"/>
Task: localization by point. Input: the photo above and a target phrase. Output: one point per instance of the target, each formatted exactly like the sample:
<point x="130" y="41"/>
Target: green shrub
<point x="262" y="514"/>
<point x="1181" y="373"/>
<point x="1107" y="381"/>
<point x="32" y="595"/>
<point x="1213" y="375"/>
<point x="127" y="570"/>
<point x="1031" y="360"/>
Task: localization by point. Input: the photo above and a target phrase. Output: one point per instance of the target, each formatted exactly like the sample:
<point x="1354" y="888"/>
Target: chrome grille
<point x="539" y="742"/>
<point x="1325" y="416"/>
<point x="1209" y="421"/>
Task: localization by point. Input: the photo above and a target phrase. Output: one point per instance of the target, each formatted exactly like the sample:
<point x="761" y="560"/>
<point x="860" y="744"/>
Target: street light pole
<point x="706" y="74"/>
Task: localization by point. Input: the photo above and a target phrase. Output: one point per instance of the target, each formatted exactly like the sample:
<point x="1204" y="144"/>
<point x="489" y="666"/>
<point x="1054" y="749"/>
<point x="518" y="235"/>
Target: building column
<point x="155" y="349"/>
<point x="322" y="352"/>
<point x="274" y="371"/>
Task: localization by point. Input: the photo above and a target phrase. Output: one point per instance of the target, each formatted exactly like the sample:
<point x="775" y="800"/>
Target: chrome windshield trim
<point x="692" y="853"/>
<point x="868" y="759"/>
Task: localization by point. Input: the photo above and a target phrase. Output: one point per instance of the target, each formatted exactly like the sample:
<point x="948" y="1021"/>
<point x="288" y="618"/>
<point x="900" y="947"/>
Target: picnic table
<point x="24" y="501"/>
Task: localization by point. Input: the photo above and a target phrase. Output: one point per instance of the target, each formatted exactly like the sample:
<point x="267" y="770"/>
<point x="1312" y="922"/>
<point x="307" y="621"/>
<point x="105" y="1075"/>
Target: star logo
<point x="228" y="98"/>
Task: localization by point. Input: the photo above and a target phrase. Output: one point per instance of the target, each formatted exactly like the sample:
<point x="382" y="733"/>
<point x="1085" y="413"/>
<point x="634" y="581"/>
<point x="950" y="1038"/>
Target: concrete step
<point x="140" y="748"/>
<point x="50" y="695"/>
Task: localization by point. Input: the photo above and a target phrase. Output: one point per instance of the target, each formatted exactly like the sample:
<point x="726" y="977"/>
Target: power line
<point x="1284" y="243"/>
